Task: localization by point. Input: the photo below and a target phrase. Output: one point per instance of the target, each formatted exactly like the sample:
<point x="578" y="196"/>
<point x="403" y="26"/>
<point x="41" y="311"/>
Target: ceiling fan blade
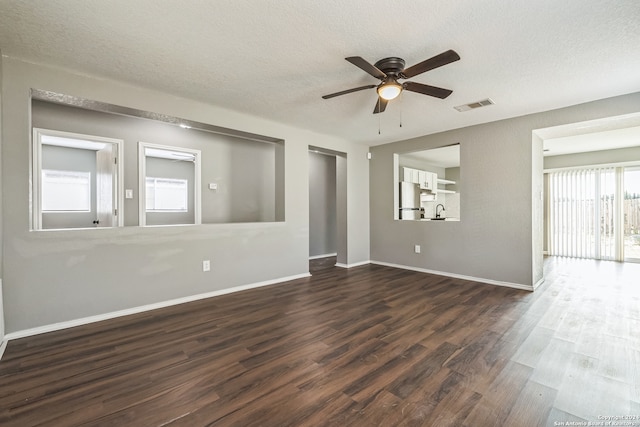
<point x="364" y="65"/>
<point x="429" y="64"/>
<point x="344" y="92"/>
<point x="381" y="104"/>
<point x="438" y="92"/>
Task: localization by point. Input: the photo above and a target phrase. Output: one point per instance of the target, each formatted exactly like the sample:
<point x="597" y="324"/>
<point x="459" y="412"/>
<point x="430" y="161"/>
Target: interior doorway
<point x="76" y="180"/>
<point x="327" y="205"/>
<point x="592" y="188"/>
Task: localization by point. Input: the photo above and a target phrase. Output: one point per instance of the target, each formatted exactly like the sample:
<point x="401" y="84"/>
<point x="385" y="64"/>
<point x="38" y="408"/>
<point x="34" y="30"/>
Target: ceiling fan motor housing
<point x="391" y="66"/>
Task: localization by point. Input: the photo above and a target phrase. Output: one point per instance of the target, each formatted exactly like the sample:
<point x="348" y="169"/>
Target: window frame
<point x="142" y="175"/>
<point x="36" y="174"/>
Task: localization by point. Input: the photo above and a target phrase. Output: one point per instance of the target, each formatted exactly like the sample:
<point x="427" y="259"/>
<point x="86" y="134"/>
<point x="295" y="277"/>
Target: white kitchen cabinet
<point x="425" y="179"/>
<point x="428" y="181"/>
<point x="411" y="175"/>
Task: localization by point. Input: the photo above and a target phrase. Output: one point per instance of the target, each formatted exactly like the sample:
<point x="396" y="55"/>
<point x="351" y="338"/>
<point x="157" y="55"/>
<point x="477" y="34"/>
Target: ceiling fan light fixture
<point x="389" y="90"/>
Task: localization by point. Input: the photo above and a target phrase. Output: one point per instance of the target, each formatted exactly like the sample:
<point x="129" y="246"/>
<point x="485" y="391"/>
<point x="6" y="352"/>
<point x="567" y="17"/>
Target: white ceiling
<point x="444" y="157"/>
<point x="608" y="133"/>
<point x="276" y="58"/>
<point x="596" y="141"/>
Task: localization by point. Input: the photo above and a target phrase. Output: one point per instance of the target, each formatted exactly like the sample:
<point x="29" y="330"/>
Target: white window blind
<point x="66" y="191"/>
<point x="166" y="194"/>
<point x="582" y="213"/>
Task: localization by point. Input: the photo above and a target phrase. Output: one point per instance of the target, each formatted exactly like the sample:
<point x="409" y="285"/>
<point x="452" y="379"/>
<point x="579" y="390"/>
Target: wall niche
<point x="240" y="176"/>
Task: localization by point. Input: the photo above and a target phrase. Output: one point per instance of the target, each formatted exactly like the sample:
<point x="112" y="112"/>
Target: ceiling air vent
<point x="473" y="105"/>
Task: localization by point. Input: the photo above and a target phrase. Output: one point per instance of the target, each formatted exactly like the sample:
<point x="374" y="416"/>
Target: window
<point x="66" y="191"/>
<point x="166" y="194"/>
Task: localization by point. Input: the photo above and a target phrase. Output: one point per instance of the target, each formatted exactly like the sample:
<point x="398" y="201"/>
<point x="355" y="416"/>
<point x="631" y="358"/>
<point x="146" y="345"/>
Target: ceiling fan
<point x="390" y="70"/>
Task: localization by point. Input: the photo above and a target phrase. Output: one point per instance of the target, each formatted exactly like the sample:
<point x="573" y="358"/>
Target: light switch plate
<point x="128" y="194"/>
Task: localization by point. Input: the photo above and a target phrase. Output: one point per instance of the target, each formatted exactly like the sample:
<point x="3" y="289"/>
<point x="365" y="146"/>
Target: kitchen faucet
<point x="438" y="205"/>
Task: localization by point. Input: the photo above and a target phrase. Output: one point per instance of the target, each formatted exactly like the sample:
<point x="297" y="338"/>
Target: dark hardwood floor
<point x="368" y="346"/>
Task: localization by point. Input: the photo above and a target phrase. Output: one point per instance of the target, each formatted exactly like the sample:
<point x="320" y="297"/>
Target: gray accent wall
<point x="343" y="211"/>
<point x="500" y="235"/>
<point x="322" y="204"/>
<point x="2" y="327"/>
<point x="63" y="275"/>
<point x="174" y="169"/>
<point x="453" y="174"/>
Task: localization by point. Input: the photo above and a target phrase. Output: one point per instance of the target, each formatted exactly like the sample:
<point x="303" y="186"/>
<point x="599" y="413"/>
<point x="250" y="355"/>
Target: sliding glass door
<point x="586" y="213"/>
<point x="632" y="214"/>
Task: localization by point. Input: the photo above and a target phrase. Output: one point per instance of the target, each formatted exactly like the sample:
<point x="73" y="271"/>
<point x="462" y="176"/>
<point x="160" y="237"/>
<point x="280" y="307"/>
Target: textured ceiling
<point x="276" y="58"/>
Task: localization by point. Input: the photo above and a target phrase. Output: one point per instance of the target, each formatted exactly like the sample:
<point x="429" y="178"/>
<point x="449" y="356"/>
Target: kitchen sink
<point x="437" y="219"/>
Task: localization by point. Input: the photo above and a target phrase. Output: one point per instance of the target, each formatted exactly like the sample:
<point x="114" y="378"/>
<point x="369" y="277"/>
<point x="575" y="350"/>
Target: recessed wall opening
<point x="241" y="175"/>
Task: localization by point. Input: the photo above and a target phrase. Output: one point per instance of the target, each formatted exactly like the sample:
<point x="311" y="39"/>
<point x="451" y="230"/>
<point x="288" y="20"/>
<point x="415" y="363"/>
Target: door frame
<point x="36" y="171"/>
<point x="142" y="174"/>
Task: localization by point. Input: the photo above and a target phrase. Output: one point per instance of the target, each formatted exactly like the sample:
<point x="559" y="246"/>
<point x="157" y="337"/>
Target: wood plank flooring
<point x="367" y="346"/>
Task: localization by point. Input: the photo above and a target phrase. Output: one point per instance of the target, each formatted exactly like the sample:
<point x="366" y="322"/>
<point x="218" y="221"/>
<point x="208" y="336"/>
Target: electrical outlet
<point x="417" y="249"/>
<point x="206" y="265"/>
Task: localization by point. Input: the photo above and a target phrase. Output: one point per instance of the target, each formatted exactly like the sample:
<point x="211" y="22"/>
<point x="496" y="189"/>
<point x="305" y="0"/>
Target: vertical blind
<point x="582" y="213"/>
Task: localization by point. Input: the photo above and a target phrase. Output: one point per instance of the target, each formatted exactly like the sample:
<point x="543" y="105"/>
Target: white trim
<point x="459" y="276"/>
<point x="538" y="283"/>
<point x="3" y="346"/>
<point x="323" y="256"/>
<point x="142" y="174"/>
<point x="134" y="310"/>
<point x="355" y="264"/>
<point x="36" y="171"/>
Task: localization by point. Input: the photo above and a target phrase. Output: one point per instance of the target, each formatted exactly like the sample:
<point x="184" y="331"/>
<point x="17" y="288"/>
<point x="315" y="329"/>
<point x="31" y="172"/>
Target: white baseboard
<point x="140" y="309"/>
<point x="458" y="276"/>
<point x="3" y="346"/>
<point x="538" y="283"/>
<point x="322" y="256"/>
<point x="355" y="264"/>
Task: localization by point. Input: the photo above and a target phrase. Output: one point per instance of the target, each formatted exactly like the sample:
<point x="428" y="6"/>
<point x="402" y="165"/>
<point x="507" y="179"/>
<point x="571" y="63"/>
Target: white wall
<point x="499" y="237"/>
<point x="58" y="276"/>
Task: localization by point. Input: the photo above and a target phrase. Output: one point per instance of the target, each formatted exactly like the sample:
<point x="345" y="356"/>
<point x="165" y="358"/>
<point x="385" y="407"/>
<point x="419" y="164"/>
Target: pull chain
<point x="401" y="97"/>
<point x="378" y="115"/>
